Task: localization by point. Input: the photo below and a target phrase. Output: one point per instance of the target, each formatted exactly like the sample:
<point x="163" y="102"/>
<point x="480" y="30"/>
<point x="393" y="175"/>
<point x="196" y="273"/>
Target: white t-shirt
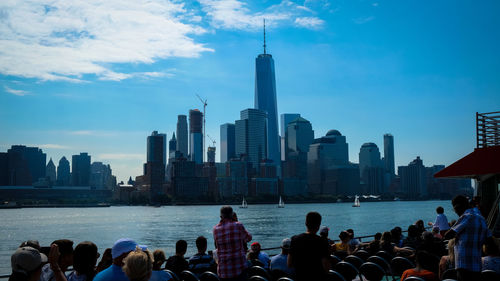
<point x="441" y="222"/>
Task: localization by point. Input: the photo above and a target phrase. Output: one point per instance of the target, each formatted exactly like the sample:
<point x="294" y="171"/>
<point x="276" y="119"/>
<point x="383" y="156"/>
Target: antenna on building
<point x="264" y="36"/>
<point x="204" y="124"/>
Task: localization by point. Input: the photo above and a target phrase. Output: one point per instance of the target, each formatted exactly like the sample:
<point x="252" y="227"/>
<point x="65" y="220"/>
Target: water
<point x="160" y="228"/>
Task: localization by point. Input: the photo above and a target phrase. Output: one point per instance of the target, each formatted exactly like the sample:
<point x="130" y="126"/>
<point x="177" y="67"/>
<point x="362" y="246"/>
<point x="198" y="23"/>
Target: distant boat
<point x="356" y="202"/>
<point x="281" y="204"/>
<point x="396" y="199"/>
<point x="244" y="204"/>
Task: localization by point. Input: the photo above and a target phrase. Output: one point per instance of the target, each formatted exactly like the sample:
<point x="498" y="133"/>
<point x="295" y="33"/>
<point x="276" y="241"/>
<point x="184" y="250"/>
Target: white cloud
<point x="52" y="146"/>
<point x="363" y="20"/>
<point x="121" y="156"/>
<point x="309" y="22"/>
<point x="62" y="40"/>
<point x="16" y="92"/>
<point x="235" y="14"/>
<point x="92" y="133"/>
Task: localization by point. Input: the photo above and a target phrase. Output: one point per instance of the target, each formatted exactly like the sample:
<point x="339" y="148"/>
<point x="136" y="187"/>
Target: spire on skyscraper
<point x="264" y="36"/>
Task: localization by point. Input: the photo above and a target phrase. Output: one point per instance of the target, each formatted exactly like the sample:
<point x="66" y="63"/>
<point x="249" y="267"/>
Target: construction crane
<point x="204" y="102"/>
<point x="213" y="141"/>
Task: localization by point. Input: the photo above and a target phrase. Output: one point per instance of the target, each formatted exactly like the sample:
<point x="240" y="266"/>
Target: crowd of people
<point x="465" y="246"/>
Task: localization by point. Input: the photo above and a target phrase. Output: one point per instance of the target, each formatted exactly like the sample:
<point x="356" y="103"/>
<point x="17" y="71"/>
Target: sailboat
<point x="244" y="204"/>
<point x="281" y="204"/>
<point x="356" y="202"/>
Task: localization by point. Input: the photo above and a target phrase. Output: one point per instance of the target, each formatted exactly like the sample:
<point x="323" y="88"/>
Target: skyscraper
<point x="157" y="148"/>
<point x="50" y="171"/>
<point x="172" y="147"/>
<point x="211" y="154"/>
<point x="285" y="119"/>
<point x="196" y="136"/>
<point x="389" y="153"/>
<point x="250" y="132"/>
<point x="80" y="169"/>
<point x="299" y="135"/>
<point x="371" y="168"/>
<point x="227" y="142"/>
<point x="265" y="100"/>
<point x="182" y="135"/>
<point x="63" y="172"/>
<point x="413" y="181"/>
<point x="35" y="159"/>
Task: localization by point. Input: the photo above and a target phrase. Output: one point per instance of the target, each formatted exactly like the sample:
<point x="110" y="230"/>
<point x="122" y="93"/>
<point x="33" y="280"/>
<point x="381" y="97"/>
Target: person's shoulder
<point x="103" y="275"/>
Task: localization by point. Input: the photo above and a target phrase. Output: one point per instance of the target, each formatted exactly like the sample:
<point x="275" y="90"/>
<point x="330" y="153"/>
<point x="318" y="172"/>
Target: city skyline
<point x="354" y="67"/>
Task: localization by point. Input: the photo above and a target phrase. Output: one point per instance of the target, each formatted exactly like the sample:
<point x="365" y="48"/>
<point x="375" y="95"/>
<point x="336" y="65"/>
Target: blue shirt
<point x="279" y="262"/>
<point x="160" y="275"/>
<point x="264" y="258"/>
<point x="471" y="232"/>
<point x="112" y="273"/>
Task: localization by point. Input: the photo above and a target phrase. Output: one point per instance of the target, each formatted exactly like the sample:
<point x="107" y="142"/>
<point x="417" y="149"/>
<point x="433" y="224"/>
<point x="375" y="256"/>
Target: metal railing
<point x="488" y="129"/>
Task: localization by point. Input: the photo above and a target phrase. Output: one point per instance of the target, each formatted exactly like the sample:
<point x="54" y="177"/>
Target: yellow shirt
<point x="339" y="247"/>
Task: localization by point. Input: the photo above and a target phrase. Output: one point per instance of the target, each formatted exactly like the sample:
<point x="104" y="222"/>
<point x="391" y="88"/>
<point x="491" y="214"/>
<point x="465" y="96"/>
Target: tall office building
<point x="80" y="169"/>
<point x="211" y="154"/>
<point x="182" y="135"/>
<point x="413" y="179"/>
<point x="63" y="172"/>
<point x="172" y="147"/>
<point x="265" y="100"/>
<point x="371" y="169"/>
<point x="389" y="154"/>
<point x="35" y="159"/>
<point x="157" y="148"/>
<point x="299" y="135"/>
<point x="250" y="132"/>
<point x="50" y="171"/>
<point x="285" y="119"/>
<point x="101" y="176"/>
<point x="196" y="136"/>
<point x="227" y="142"/>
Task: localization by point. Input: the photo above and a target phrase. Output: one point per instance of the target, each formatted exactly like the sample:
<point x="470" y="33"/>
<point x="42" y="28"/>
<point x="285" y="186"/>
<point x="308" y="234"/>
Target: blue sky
<point x="98" y="76"/>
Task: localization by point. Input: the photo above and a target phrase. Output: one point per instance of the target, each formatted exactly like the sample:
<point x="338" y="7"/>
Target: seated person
<point x="27" y="264"/>
<point x="177" y="263"/>
<point x="491" y="260"/>
<point x="202" y="262"/>
<point x="420" y="270"/>
<point x="280" y="261"/>
<point x="343" y="245"/>
<point x="256" y="254"/>
<point x="138" y="265"/>
<point x="387" y="246"/>
<point x="158" y="274"/>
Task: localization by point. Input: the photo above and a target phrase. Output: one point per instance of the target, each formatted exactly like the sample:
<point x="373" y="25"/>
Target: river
<point x="161" y="227"/>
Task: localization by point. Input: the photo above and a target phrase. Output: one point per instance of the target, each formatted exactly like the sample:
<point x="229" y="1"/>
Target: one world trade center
<point x="265" y="100"/>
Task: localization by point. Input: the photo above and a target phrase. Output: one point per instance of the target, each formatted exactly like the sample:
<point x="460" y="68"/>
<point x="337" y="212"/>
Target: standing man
<point x="230" y="237"/>
<point x="470" y="233"/>
<point x="309" y="252"/>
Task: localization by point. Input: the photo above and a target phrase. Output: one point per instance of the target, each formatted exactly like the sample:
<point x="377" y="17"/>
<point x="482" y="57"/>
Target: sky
<point x="99" y="76"/>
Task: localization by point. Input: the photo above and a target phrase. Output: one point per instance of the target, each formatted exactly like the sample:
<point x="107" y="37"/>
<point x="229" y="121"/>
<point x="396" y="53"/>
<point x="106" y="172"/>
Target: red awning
<point x="482" y="161"/>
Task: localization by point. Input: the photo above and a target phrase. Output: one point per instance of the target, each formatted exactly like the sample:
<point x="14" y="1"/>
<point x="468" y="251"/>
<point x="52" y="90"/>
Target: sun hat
<point x="27" y="259"/>
<point x="122" y="246"/>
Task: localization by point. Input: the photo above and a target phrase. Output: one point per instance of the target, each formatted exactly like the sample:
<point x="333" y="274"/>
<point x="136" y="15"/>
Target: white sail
<point x="244" y="203"/>
<point x="356" y="201"/>
<point x="281" y="204"/>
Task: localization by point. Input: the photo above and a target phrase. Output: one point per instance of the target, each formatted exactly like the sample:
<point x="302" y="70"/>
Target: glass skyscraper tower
<point x="265" y="100"/>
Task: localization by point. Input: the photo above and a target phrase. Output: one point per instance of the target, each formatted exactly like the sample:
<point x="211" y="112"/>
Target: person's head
<point x="226" y="212"/>
<point x="344" y="236"/>
<point x="201" y="244"/>
<point x="475" y="201"/>
<point x="440" y="210"/>
<point x="285" y="246"/>
<point x="121" y="249"/>
<point x="351" y="232"/>
<point x="181" y="247"/>
<point x="413" y="231"/>
<point x="491" y="247"/>
<point x="138" y="265"/>
<point x="427" y="237"/>
<point x="424" y="260"/>
<point x="31" y="243"/>
<point x="386" y="236"/>
<point x="377" y="236"/>
<point x="158" y="259"/>
<point x="396" y="234"/>
<point x="420" y="224"/>
<point x="85" y="257"/>
<point x="460" y="204"/>
<point x="235" y="216"/>
<point x="66" y="251"/>
<point x="255" y="247"/>
<point x="27" y="264"/>
<point x="323" y="231"/>
<point x="313" y="221"/>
